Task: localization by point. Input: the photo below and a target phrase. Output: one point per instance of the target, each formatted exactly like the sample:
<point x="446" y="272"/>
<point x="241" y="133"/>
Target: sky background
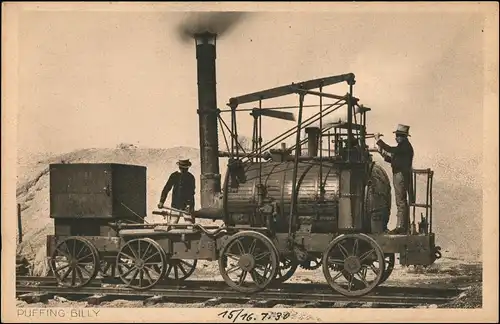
<point x="97" y="79"/>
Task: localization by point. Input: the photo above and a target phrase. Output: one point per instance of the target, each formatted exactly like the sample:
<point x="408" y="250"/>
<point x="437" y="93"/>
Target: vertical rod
<point x="19" y="224"/>
<point x="414" y="191"/>
<point x="427" y="195"/>
<point x="336" y="137"/>
<point x="232" y="129"/>
<point x="349" y="122"/>
<point x="364" y="119"/>
<point x="295" y="168"/>
<point x="254" y="137"/>
<point x="260" y="143"/>
<point x="431" y="177"/>
<point x="363" y="136"/>
<point x="236" y="134"/>
<point x="329" y="146"/>
<point x="321" y="188"/>
<point x="364" y="124"/>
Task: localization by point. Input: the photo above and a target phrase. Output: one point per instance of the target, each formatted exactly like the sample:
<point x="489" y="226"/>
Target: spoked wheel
<point x="351" y="259"/>
<point x="74" y="262"/>
<point x="286" y="269"/>
<point x="141" y="263"/>
<point x="389" y="259"/>
<point x="248" y="262"/>
<point x="179" y="270"/>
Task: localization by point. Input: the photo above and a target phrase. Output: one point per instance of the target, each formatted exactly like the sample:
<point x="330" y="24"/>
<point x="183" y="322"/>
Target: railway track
<point x="210" y="294"/>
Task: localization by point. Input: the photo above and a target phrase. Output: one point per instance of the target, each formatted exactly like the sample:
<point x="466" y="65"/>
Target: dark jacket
<point x="401" y="159"/>
<point x="400" y="156"/>
<point x="183" y="185"/>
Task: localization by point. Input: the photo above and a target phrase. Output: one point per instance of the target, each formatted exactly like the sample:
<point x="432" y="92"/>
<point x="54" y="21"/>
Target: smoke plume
<point x="219" y="23"/>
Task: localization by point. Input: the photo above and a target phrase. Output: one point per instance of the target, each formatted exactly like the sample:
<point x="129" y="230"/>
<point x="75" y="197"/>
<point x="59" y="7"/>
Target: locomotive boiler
<point x="281" y="208"/>
<point x="265" y="197"/>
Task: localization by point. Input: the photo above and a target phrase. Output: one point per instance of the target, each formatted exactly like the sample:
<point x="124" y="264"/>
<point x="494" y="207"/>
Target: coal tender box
<point x="108" y="192"/>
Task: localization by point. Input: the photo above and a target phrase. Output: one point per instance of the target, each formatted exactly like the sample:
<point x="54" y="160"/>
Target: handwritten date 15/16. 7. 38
<point x="241" y="315"/>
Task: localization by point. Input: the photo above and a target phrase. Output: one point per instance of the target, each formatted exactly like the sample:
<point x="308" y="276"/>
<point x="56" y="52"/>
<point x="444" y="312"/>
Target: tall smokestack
<point x="313" y="134"/>
<point x="207" y="111"/>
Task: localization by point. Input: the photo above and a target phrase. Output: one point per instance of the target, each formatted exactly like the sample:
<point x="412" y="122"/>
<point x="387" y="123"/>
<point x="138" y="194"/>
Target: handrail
<point x="428" y="196"/>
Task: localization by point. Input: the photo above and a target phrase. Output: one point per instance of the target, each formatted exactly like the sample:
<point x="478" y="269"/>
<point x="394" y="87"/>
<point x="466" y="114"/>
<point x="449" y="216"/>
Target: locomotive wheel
<point x="390" y="259"/>
<point x="350" y="257"/>
<point x="179" y="270"/>
<point x="286" y="269"/>
<point x="74" y="262"/>
<point x="251" y="253"/>
<point x="141" y="263"/>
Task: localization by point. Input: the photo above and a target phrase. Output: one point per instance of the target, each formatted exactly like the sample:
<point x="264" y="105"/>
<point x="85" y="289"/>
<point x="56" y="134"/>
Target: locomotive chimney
<point x="207" y="111"/>
<point x="313" y="134"/>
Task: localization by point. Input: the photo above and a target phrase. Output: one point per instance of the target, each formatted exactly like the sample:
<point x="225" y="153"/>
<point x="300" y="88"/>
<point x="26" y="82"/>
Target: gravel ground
<point x="471" y="298"/>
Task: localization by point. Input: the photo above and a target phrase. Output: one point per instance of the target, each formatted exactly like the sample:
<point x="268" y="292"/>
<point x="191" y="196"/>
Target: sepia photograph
<point x="249" y="162"/>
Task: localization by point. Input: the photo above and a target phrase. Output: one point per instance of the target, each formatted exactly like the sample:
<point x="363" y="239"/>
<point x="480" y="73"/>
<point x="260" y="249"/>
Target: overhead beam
<point x="324" y="94"/>
<point x="290" y="89"/>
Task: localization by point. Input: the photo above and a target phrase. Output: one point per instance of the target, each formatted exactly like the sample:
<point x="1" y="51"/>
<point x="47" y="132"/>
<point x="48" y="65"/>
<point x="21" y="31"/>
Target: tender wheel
<point x="141" y="263"/>
<point x="179" y="270"/>
<point x="74" y="262"/>
<point x="246" y="253"/>
<point x="350" y="257"/>
<point x="286" y="269"/>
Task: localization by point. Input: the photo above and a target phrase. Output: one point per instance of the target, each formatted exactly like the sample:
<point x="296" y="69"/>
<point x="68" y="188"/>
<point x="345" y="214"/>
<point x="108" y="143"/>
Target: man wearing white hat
<point x="183" y="184"/>
<point x="401" y="159"/>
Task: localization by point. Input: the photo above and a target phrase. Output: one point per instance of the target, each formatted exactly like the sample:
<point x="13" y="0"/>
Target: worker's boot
<point x="402" y="222"/>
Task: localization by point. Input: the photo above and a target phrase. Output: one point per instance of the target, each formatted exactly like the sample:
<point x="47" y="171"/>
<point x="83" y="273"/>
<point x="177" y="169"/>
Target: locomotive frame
<point x="268" y="243"/>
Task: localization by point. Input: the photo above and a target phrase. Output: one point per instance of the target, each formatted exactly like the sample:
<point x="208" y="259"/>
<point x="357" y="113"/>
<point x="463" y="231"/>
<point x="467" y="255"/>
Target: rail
<point x="291" y="292"/>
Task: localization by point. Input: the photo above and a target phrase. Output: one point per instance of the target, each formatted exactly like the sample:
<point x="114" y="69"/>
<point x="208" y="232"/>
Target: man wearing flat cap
<point x="183" y="184"/>
<point x="401" y="159"/>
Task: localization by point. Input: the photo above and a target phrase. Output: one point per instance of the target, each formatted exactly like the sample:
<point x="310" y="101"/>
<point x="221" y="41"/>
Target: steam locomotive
<point x="280" y="208"/>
